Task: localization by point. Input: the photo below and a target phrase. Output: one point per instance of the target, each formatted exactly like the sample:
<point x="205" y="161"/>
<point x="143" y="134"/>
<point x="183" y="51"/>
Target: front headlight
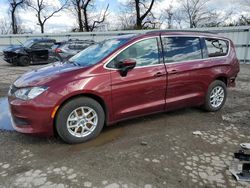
<point x="29" y="93"/>
<point x="17" y="51"/>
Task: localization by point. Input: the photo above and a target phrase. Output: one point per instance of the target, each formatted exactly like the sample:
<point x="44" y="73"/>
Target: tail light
<point x="58" y="50"/>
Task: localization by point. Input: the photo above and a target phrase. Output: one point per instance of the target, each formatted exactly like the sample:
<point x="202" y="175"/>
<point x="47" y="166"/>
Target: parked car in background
<point x="66" y="49"/>
<point x="33" y="51"/>
<point x="122" y="78"/>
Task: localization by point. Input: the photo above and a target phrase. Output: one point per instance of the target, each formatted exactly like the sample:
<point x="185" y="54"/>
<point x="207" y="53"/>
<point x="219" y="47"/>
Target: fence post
<point x="10" y="43"/>
<point x="247" y="46"/>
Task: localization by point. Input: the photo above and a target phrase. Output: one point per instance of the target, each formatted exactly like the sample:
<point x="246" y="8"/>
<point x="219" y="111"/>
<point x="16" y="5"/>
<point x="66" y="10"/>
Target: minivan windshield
<point x="94" y="53"/>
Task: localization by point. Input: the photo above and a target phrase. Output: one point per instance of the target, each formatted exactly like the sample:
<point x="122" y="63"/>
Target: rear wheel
<point x="24" y="61"/>
<point x="216" y="96"/>
<point x="79" y="120"/>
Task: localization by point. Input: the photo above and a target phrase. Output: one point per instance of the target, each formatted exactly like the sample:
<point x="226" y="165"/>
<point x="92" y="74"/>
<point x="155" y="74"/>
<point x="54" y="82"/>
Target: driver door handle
<point x="159" y="74"/>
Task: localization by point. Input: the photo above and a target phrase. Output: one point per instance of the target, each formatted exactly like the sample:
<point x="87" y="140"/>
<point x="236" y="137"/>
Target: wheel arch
<point x="90" y="95"/>
<point x="223" y="78"/>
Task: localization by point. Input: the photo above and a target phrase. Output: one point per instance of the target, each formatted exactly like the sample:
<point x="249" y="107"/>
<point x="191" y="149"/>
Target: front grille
<point x="8" y="54"/>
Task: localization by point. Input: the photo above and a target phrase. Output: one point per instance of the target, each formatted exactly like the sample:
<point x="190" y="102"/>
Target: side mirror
<point x="125" y="65"/>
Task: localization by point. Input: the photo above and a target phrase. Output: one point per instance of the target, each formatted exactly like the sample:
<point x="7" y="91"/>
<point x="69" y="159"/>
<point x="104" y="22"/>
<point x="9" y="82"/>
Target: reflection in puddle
<point x="5" y="122"/>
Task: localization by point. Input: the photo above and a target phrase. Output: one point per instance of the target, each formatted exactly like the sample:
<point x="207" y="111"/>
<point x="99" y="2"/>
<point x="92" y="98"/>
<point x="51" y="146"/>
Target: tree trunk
<point x="139" y="24"/>
<point x="79" y="14"/>
<point x="41" y="23"/>
<point x="13" y="23"/>
<point x="86" y="21"/>
<point x="138" y="15"/>
<point x="42" y="28"/>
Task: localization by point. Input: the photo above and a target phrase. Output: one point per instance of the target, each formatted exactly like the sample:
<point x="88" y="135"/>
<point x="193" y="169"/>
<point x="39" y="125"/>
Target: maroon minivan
<point x="124" y="77"/>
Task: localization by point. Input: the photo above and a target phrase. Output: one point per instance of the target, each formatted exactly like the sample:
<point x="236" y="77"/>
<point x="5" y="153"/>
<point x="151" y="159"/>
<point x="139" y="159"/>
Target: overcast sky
<point x="65" y="20"/>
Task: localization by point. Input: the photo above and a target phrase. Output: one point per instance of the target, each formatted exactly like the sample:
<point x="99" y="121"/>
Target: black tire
<point x="65" y="111"/>
<point x="24" y="61"/>
<point x="208" y="106"/>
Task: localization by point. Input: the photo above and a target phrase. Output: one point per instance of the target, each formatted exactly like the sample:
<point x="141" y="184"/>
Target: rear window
<point x="177" y="49"/>
<point x="216" y="47"/>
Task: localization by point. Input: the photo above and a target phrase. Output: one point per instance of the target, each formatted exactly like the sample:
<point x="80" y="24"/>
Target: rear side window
<point x="216" y="47"/>
<point x="177" y="49"/>
<point x="71" y="47"/>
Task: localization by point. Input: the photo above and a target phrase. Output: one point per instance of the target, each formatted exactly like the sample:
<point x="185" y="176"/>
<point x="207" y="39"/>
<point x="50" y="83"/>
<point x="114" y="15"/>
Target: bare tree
<point x="140" y="17"/>
<point x="169" y="16"/>
<point x="140" y="14"/>
<point x="5" y="27"/>
<point x="127" y="22"/>
<point x="217" y="19"/>
<point x="44" y="11"/>
<point x="244" y="19"/>
<point x="196" y="11"/>
<point x="86" y="15"/>
<point x="77" y="4"/>
<point x="178" y="18"/>
<point x="14" y="5"/>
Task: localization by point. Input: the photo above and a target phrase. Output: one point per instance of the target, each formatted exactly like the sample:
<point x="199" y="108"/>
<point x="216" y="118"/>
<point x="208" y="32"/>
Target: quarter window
<point x="216" y="47"/>
<point x="145" y="53"/>
<point x="181" y="49"/>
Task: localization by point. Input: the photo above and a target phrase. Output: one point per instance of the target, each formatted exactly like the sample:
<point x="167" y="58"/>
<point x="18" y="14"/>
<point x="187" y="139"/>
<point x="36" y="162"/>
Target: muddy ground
<point x="170" y="157"/>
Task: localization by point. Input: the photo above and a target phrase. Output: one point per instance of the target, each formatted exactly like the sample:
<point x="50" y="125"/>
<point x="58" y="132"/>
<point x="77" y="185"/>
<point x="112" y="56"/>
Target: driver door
<point x="39" y="52"/>
<point x="142" y="90"/>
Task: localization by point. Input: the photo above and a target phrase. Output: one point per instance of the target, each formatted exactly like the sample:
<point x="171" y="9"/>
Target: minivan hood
<point x="43" y="76"/>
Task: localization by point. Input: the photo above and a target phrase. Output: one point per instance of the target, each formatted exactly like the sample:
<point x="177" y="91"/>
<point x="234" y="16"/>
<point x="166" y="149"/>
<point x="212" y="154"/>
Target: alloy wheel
<point x="82" y="121"/>
<point x="217" y="96"/>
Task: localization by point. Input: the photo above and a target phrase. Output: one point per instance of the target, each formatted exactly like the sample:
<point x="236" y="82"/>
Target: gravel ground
<point x="153" y="151"/>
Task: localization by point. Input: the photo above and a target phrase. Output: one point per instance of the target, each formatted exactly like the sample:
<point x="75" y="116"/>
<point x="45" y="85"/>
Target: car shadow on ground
<point x="108" y="134"/>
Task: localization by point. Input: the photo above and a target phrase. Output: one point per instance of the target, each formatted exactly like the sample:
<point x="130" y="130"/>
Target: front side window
<point x="144" y="52"/>
<point x="37" y="45"/>
<point x="177" y="49"/>
<point x="216" y="47"/>
<point x="48" y="44"/>
<point x="42" y="45"/>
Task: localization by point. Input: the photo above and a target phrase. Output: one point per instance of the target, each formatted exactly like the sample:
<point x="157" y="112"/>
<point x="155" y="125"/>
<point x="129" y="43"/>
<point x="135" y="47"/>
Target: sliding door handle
<point x="173" y="71"/>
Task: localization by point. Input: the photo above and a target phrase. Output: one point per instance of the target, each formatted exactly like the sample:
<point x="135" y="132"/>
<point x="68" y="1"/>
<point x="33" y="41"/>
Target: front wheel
<point x="216" y="96"/>
<point x="24" y="61"/>
<point x="79" y="120"/>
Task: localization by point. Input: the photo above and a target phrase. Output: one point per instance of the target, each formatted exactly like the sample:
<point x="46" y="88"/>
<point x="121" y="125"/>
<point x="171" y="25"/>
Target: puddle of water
<point x="105" y="137"/>
<point x="5" y="122"/>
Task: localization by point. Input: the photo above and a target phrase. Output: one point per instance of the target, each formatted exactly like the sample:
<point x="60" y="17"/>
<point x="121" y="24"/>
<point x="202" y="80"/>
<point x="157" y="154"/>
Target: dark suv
<point x="33" y="51"/>
<point x="121" y="78"/>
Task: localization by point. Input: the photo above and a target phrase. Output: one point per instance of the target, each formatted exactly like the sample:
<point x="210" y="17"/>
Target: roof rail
<point x="181" y="30"/>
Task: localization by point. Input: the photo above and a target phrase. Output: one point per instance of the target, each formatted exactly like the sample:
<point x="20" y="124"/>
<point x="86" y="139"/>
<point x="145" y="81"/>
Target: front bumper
<point x="8" y="60"/>
<point x="31" y="117"/>
<point x="10" y="57"/>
